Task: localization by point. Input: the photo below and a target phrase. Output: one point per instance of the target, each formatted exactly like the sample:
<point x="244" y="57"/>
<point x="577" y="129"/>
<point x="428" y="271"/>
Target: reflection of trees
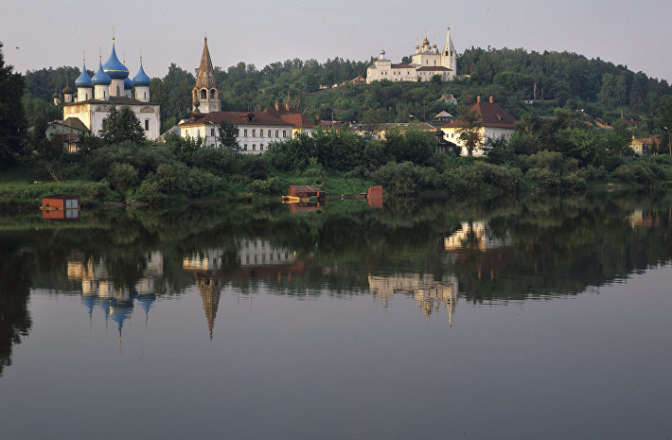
<point x="532" y="247"/>
<point x="15" y="272"/>
<point x="562" y="247"/>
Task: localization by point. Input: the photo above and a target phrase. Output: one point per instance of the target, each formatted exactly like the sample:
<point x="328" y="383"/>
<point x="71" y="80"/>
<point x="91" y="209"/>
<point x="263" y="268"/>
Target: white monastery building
<point x="426" y="62"/>
<point x="256" y="130"/>
<point x="495" y="123"/>
<point x="111" y="87"/>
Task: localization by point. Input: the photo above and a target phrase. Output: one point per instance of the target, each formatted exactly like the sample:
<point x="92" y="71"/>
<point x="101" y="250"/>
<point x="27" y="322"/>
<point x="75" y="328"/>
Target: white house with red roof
<point x="426" y="62"/>
<point x="256" y="130"/>
<point x="495" y="123"/>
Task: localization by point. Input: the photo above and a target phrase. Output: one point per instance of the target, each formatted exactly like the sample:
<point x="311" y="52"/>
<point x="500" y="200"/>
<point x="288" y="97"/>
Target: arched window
<point x="204" y="94"/>
<point x="213" y="93"/>
<point x="145" y="95"/>
<point x="118" y="94"/>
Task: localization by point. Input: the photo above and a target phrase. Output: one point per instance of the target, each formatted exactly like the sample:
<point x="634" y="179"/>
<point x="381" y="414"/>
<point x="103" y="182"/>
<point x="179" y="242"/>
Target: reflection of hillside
<point x="566" y="256"/>
<point x="428" y="293"/>
<point x="533" y="248"/>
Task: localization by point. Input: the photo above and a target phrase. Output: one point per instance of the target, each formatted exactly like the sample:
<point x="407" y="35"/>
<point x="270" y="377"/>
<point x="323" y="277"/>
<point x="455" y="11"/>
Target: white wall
<point x="453" y="135"/>
<point x="117" y="85"/>
<point x="142" y="94"/>
<point x="84" y="94"/>
<point x="93" y="115"/>
<point x="101" y="93"/>
<point x="252" y="139"/>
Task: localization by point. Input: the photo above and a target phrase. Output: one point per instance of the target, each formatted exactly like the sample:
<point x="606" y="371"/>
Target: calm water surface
<point x="533" y="319"/>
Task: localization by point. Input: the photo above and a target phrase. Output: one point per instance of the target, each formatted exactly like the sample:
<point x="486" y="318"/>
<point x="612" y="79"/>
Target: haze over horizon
<point x="39" y="34"/>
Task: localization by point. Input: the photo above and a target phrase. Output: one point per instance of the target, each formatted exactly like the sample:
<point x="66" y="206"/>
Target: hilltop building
<point x="256" y="130"/>
<point x="495" y="123"/>
<point x="111" y="87"/>
<point x="426" y="62"/>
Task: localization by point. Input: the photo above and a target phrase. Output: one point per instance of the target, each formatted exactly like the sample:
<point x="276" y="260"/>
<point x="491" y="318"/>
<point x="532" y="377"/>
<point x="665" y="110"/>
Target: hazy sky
<point x="39" y="34"/>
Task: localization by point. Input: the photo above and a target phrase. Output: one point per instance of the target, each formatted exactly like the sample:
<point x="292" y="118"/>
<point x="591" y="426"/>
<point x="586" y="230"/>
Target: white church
<point x="426" y="62"/>
<point x="111" y="87"/>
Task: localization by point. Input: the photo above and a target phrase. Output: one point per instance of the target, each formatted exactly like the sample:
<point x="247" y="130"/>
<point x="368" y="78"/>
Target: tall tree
<point x="470" y="132"/>
<point x="120" y="126"/>
<point x="228" y="135"/>
<point x="12" y="117"/>
<point x="664" y="120"/>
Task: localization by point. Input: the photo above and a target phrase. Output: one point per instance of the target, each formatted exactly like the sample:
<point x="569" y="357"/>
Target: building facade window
<point x="245" y="147"/>
<point x="277" y="132"/>
<point x="212" y="132"/>
<point x="269" y="133"/>
<point x="284" y="133"/>
<point x="245" y="132"/>
<point x="254" y="132"/>
<point x="254" y="147"/>
<point x="146" y="124"/>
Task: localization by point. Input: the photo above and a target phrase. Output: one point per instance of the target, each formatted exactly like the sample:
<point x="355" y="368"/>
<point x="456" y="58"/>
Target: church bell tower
<point x="205" y="95"/>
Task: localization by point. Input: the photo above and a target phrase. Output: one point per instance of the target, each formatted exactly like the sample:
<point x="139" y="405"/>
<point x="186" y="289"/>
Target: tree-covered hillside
<point x="521" y="81"/>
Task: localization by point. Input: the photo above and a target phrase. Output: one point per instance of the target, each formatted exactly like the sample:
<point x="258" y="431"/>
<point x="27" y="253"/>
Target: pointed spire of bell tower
<point x="210" y="295"/>
<point x="206" y="92"/>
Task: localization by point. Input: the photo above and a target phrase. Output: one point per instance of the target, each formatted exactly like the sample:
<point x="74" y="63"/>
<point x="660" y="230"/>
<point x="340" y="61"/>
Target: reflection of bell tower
<point x="205" y="95"/>
<point x="210" y="294"/>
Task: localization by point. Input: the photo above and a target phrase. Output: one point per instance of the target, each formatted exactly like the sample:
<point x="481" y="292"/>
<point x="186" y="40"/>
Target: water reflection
<point x="428" y="293"/>
<point x="428" y="254"/>
<point x="117" y="301"/>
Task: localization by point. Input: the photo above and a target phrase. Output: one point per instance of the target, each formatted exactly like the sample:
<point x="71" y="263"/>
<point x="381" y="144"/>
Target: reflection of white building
<point x="472" y="235"/>
<point x="206" y="259"/>
<point x="428" y="293"/>
<point x="257" y="252"/>
<point x="116" y="301"/>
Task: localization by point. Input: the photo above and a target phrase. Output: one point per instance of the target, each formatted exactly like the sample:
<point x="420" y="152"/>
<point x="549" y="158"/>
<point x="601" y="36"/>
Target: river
<point x="540" y="318"/>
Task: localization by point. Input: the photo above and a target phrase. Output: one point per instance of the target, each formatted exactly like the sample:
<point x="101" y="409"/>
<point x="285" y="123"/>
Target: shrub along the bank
<point x="559" y="156"/>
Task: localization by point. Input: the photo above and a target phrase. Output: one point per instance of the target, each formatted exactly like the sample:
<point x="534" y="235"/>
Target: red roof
<point x="403" y="66"/>
<point x="296" y="120"/>
<point x="649" y="140"/>
<point x="491" y="115"/>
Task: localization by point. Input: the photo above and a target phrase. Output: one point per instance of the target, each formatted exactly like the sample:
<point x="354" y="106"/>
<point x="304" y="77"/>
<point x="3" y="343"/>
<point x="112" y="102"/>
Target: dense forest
<point x="522" y="81"/>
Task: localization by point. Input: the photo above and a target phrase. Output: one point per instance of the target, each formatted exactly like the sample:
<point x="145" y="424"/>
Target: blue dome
<point x="101" y="78"/>
<point x="84" y="79"/>
<point x="128" y="84"/>
<point x="146" y="301"/>
<point x="114" y="67"/>
<point x="141" y="79"/>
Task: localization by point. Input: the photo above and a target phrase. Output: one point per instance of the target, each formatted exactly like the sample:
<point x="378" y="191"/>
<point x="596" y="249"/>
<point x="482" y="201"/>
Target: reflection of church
<point x="117" y="302"/>
<point x="428" y="293"/>
<point x="255" y="258"/>
<point x="473" y="236"/>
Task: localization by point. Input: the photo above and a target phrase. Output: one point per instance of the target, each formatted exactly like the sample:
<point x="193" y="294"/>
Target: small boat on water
<point x="303" y="194"/>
